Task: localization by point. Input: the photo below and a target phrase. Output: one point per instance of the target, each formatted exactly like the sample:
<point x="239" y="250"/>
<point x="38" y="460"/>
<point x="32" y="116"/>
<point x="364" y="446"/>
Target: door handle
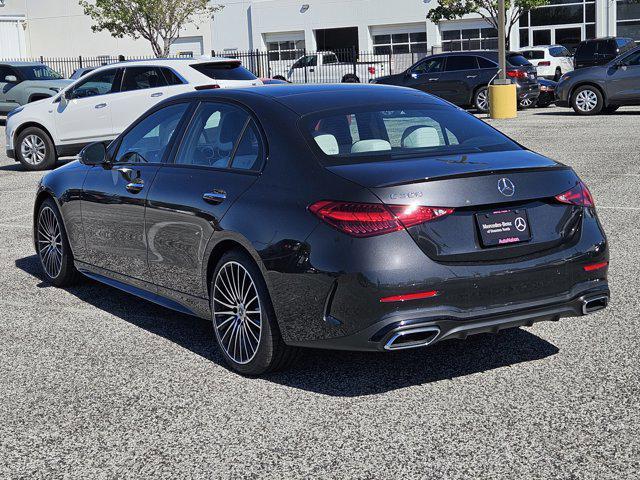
<point x="135" y="186"/>
<point x="312" y="69"/>
<point x="471" y="76"/>
<point x="101" y="105"/>
<point x="157" y="94"/>
<point x="216" y="197"/>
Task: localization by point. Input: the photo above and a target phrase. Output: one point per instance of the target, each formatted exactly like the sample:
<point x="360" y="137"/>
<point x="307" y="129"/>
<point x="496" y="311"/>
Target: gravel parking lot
<point x="95" y="383"/>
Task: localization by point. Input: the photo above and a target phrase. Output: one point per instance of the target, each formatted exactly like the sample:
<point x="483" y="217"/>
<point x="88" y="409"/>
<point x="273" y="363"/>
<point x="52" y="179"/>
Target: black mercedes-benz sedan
<point x="357" y="217"/>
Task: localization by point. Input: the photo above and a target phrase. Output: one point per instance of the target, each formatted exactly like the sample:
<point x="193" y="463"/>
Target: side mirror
<point x="68" y="94"/>
<point x="94" y="154"/>
<point x="11" y="79"/>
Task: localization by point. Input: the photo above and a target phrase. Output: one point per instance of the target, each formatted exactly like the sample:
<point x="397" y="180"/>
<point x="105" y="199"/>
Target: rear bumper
<point x="443" y="323"/>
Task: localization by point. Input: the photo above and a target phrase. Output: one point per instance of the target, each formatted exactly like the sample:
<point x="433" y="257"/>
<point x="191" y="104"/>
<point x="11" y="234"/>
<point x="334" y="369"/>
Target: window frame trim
<point x="196" y="103"/>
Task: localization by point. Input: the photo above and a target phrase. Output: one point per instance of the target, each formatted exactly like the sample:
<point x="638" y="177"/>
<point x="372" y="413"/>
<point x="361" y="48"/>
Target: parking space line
<point x="599" y="207"/>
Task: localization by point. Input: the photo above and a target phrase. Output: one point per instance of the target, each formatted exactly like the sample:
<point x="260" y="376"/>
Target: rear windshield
<point x="517" y="60"/>
<point x="39" y="72"/>
<point x="385" y="133"/>
<point x="224" y="71"/>
<point x="533" y="54"/>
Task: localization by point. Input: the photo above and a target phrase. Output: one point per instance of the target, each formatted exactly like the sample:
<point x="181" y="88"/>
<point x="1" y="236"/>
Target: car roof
<point x="538" y="47"/>
<point x="309" y="98"/>
<point x="481" y="53"/>
<point x="167" y="62"/>
<point x="21" y="63"/>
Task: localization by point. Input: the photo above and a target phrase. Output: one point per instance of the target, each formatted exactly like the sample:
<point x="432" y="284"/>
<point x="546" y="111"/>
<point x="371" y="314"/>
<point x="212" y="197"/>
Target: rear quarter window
<point x="224" y="71"/>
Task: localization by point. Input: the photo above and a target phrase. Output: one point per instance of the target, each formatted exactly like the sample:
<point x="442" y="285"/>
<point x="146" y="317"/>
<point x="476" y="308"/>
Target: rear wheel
<point x="243" y="317"/>
<point x="587" y="100"/>
<point x="35" y="150"/>
<point x="481" y="99"/>
<point x="526" y="103"/>
<point x="350" y="78"/>
<point x="53" y="247"/>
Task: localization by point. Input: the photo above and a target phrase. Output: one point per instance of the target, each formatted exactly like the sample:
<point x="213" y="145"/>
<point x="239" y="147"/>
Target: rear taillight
<point x="516" y="74"/>
<point x="207" y="87"/>
<point x="578" y="195"/>
<point x="372" y="70"/>
<point x="544" y="64"/>
<point x="369" y="219"/>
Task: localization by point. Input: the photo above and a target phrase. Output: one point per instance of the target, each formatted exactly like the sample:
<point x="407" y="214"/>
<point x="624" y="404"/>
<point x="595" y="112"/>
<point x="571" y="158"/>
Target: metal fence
<point x="299" y="66"/>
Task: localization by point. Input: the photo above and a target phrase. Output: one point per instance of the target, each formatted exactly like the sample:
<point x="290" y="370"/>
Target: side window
<point x="633" y="59"/>
<point x="431" y="65"/>
<point x="462" y="62"/>
<point x="249" y="151"/>
<point x="170" y="77"/>
<point x="99" y="83"/>
<point x="147" y="141"/>
<point x="329" y="58"/>
<point x="217" y="131"/>
<point x="485" y="63"/>
<point x="139" y="78"/>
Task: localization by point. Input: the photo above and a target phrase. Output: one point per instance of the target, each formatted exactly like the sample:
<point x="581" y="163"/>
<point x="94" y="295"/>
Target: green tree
<point x="158" y="21"/>
<point x="487" y="9"/>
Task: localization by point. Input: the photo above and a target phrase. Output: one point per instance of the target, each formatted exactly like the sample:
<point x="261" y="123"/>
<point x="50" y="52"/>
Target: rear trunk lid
<point x="474" y="185"/>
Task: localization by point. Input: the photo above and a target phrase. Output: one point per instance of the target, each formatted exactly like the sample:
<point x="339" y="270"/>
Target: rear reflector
<point x="595" y="266"/>
<point x="207" y="87"/>
<point x="409" y="296"/>
<point x="578" y="195"/>
<point x="369" y="219"/>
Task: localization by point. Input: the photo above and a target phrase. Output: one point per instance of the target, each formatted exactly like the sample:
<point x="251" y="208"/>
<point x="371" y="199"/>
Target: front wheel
<point x="481" y="100"/>
<point x="35" y="150"/>
<point x="587" y="100"/>
<point x="243" y="317"/>
<point x="52" y="246"/>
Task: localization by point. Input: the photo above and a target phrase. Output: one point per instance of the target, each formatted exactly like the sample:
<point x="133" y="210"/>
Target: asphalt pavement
<point x="95" y="383"/>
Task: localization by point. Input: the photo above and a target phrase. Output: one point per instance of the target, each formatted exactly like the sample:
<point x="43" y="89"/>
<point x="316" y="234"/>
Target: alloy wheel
<point x="237" y="313"/>
<point x="526" y="102"/>
<point x="586" y="100"/>
<point x="482" y="100"/>
<point x="49" y="237"/>
<point x="33" y="149"/>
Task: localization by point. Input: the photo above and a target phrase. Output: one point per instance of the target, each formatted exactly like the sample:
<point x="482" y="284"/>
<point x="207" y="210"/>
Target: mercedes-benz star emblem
<point x="506" y="187"/>
<point x="520" y="224"/>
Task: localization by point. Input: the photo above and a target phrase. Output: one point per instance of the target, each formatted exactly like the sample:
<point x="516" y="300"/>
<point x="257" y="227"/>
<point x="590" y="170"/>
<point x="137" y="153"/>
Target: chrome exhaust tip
<point x="590" y="305"/>
<point x="412" y="338"/>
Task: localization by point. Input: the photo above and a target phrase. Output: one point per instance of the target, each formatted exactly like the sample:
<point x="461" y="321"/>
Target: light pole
<point x="502" y="94"/>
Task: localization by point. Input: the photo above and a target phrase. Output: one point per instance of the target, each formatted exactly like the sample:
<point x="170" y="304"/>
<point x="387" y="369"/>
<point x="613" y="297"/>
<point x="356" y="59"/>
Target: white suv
<point x="100" y="105"/>
<point x="551" y="61"/>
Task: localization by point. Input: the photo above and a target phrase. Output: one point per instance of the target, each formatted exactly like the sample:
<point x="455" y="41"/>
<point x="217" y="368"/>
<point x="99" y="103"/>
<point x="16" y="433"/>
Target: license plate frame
<point x="503" y="227"/>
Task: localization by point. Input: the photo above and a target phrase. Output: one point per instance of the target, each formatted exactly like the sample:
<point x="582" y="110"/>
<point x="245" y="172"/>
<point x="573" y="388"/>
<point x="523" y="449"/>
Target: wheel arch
<point x="591" y="84"/>
<point x="217" y="249"/>
<point x="475" y="91"/>
<point x="30" y="124"/>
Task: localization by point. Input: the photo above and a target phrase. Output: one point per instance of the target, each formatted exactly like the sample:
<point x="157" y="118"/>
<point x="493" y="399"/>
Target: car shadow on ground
<point x="13" y="167"/>
<point x="335" y="373"/>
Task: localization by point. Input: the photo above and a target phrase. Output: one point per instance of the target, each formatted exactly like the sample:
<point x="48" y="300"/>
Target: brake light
<point x="207" y="87"/>
<point x="578" y="195"/>
<point x="409" y="296"/>
<point x="595" y="266"/>
<point x="544" y="64"/>
<point x="516" y="74"/>
<point x="372" y="70"/>
<point x="369" y="219"/>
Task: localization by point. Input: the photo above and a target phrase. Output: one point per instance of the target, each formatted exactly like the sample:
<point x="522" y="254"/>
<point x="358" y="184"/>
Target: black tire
<point x="38" y="147"/>
<point x="350" y="78"/>
<point x="60" y="273"/>
<point x="544" y="102"/>
<point x="558" y="74"/>
<point x="587" y="100"/>
<point x="610" y="109"/>
<point x="481" y="100"/>
<point x="269" y="352"/>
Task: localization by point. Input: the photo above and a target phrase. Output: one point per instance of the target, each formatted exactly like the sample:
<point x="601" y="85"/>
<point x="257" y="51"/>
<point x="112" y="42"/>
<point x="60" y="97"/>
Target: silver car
<point x="26" y="82"/>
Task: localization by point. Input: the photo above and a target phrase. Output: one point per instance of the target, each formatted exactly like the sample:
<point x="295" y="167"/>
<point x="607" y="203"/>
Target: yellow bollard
<point x="503" y="101"/>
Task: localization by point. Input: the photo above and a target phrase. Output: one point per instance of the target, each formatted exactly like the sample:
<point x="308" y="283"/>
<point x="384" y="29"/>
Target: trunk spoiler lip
<point x="481" y="173"/>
